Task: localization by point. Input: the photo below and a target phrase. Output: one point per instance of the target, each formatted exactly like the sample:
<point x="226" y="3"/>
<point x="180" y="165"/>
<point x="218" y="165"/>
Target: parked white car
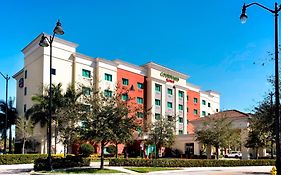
<point x="233" y="154"/>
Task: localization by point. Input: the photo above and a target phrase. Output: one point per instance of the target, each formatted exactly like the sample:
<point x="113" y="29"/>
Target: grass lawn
<point x="150" y="169"/>
<point x="85" y="170"/>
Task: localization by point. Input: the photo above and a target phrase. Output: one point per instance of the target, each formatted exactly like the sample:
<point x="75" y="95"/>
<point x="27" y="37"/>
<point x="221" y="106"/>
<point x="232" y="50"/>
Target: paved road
<point x="25" y="169"/>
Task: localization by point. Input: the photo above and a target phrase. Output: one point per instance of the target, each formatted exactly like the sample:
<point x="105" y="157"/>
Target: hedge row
<point x="189" y="162"/>
<point x="8" y="159"/>
<point x="61" y="163"/>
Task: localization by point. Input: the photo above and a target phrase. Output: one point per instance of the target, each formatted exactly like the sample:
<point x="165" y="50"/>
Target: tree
<point x="161" y="133"/>
<point x="68" y="122"/>
<point x="262" y="125"/>
<point x="24" y="130"/>
<point x="11" y="117"/>
<point x="107" y="119"/>
<point x="39" y="112"/>
<point x="217" y="132"/>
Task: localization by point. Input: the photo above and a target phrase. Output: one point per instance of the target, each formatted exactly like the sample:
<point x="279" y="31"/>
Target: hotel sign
<point x="169" y="77"/>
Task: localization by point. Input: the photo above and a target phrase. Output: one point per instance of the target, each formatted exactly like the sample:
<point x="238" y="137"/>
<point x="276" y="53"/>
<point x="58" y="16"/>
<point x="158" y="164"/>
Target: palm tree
<point x="11" y="117"/>
<point x="39" y="112"/>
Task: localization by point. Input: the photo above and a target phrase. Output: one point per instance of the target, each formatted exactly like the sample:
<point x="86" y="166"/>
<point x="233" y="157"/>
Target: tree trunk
<point x="271" y="148"/>
<point x="217" y="152"/>
<point x="23" y="146"/>
<point x="102" y="155"/>
<point x="116" y="145"/>
<point x="10" y="139"/>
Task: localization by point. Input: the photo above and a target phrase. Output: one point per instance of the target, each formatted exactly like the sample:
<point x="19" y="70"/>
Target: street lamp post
<point x="45" y="42"/>
<point x="6" y="115"/>
<point x="243" y="19"/>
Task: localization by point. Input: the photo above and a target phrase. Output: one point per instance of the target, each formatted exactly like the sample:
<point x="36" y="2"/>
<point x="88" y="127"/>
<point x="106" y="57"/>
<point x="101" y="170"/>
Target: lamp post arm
<point x="52" y="38"/>
<point x="262" y="6"/>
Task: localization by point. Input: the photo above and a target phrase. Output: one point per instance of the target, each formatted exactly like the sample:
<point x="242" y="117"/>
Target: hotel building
<point x="162" y="89"/>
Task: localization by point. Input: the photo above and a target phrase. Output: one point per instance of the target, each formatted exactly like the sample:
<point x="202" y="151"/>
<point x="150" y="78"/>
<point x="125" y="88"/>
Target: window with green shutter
<point x="204" y="113"/>
<point x="203" y="102"/>
<point x="181" y="94"/>
<point x="170" y="105"/>
<point x="195" y="100"/>
<point x="170" y="91"/>
<point x="125" y="81"/>
<point x="195" y="111"/>
<point x="139" y="114"/>
<point x="86" y="91"/>
<point x="180" y="132"/>
<point x="86" y="73"/>
<point x="157" y="88"/>
<point x="181" y="107"/>
<point x="107" y="77"/>
<point x="140" y="85"/>
<point x="180" y="120"/>
<point x="157" y="102"/>
<point x="139" y="100"/>
<point x="124" y="97"/>
<point x="107" y="93"/>
<point x="157" y="116"/>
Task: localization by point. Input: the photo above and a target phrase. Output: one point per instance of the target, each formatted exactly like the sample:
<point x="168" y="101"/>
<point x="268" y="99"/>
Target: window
<point x="186" y="109"/>
<point x="217" y="110"/>
<point x="107" y="77"/>
<point x="180" y="120"/>
<point x="87" y="108"/>
<point x="209" y="105"/>
<point x="170" y="91"/>
<point x="25" y="90"/>
<point x="181" y="94"/>
<point x="157" y="88"/>
<point x="204" y="113"/>
<point x="24" y="108"/>
<point x="124" y="97"/>
<point x="140" y="100"/>
<point x="107" y="93"/>
<point x="180" y="132"/>
<point x="195" y="100"/>
<point x="170" y="118"/>
<point x="140" y="85"/>
<point x="53" y="71"/>
<point x="195" y="112"/>
<point x="157" y="116"/>
<point x="209" y="114"/>
<point x="170" y="105"/>
<point x="139" y="130"/>
<point x="157" y="102"/>
<point x="86" y="91"/>
<point x="125" y="81"/>
<point x="139" y="114"/>
<point x="203" y="102"/>
<point x="25" y="74"/>
<point x="187" y="98"/>
<point x="86" y="73"/>
<point x="181" y="107"/>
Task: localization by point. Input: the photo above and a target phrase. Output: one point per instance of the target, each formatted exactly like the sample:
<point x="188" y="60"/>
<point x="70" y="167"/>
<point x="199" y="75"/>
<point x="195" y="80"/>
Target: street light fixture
<point x="6" y="116"/>
<point x="243" y="19"/>
<point x="45" y="42"/>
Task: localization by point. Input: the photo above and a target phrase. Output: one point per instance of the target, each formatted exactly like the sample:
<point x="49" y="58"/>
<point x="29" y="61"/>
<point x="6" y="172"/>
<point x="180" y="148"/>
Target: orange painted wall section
<point x="191" y="106"/>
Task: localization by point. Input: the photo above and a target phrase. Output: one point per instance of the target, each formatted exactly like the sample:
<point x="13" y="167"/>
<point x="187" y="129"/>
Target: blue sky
<point x="203" y="39"/>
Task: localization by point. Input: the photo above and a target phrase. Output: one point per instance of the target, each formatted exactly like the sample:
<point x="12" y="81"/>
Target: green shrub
<point x="8" y="159"/>
<point x="189" y="162"/>
<point x="86" y="149"/>
<point x="60" y="163"/>
<point x="111" y="149"/>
